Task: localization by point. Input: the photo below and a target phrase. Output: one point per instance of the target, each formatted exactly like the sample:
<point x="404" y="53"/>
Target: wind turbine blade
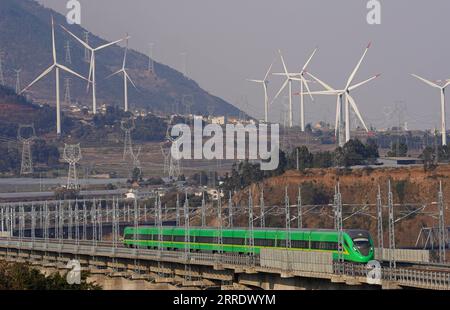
<point x="426" y="81"/>
<point x="338" y="112"/>
<point x="309" y="60"/>
<point x="324" y="92"/>
<point x="280" y="91"/>
<point x="78" y="39"/>
<point x="325" y="85"/>
<point x="355" y="108"/>
<point x="109" y="44"/>
<point x="255" y="81"/>
<point x="38" y="78"/>
<point x="268" y="71"/>
<point x="125" y="58"/>
<point x="284" y="64"/>
<point x="284" y="74"/>
<point x="71" y="71"/>
<point x="53" y="41"/>
<point x="129" y="79"/>
<point x="115" y="73"/>
<point x="303" y="80"/>
<point x="91" y="68"/>
<point x="364" y="82"/>
<point x="352" y="76"/>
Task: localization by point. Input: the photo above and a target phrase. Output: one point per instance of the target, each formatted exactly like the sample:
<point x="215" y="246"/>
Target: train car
<point x="358" y="244"/>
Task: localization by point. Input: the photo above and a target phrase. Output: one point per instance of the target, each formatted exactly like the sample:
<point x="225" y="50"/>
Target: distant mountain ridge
<point x="25" y="40"/>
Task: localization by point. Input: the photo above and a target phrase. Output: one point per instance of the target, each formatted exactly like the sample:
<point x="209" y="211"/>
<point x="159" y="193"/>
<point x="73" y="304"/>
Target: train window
<point x="299" y="244"/>
<point x="178" y="238"/>
<point x="227" y="240"/>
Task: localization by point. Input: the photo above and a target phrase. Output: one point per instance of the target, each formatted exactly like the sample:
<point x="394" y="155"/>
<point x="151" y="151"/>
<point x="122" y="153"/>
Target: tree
<point x="19" y="276"/>
<point x="429" y="158"/>
<point x="305" y="158"/>
<point x="398" y="149"/>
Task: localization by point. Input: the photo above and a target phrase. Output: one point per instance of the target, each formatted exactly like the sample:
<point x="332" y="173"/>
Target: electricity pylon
<point x="72" y="155"/>
<point x="27" y="159"/>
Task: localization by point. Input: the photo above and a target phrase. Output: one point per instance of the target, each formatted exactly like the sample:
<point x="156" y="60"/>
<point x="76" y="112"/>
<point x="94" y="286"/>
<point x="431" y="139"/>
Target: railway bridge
<point x="49" y="234"/>
<point x="272" y="269"/>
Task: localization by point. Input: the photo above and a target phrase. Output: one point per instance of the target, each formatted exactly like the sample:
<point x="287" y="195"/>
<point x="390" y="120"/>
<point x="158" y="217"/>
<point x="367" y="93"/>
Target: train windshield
<point x="363" y="245"/>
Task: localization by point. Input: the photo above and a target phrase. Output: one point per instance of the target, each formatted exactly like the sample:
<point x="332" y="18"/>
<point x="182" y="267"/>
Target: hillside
<point x="15" y="110"/>
<point x="25" y="39"/>
<point x="411" y="186"/>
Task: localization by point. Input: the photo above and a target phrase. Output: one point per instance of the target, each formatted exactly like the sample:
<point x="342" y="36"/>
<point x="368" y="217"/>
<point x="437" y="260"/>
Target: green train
<point x="358" y="244"/>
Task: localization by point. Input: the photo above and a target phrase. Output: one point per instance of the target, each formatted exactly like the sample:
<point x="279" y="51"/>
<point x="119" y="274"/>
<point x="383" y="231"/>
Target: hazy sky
<point x="228" y="41"/>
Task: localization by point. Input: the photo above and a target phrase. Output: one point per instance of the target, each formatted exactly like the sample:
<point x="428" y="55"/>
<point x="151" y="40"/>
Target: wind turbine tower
<point x="26" y="139"/>
<point x="72" y="155"/>
<point x="92" y="68"/>
<point x="345" y="101"/>
<point x="441" y="85"/>
<point x="288" y="83"/>
<point x="264" y="84"/>
<point x="57" y="68"/>
<point x="126" y="78"/>
<point x="300" y="76"/>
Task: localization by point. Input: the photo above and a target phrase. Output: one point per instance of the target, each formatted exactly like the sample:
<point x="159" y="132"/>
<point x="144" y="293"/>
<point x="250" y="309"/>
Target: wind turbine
<point x="343" y="117"/>
<point x="92" y="64"/>
<point x="57" y="67"/>
<point x="126" y="78"/>
<point x="264" y="83"/>
<point x="303" y="84"/>
<point x="287" y="82"/>
<point x="442" y="91"/>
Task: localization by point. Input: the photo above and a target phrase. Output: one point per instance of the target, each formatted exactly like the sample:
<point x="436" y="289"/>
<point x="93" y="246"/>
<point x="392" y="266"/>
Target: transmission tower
<point x="68" y="54"/>
<point x="251" y="239"/>
<point x="287" y="207"/>
<point x="262" y="208"/>
<point x="26" y="139"/>
<point x="166" y="157"/>
<point x="339" y="222"/>
<point x="441" y="225"/>
<point x="127" y="127"/>
<point x="299" y="208"/>
<point x="392" y="259"/>
<point x="67" y="96"/>
<point x="380" y="221"/>
<point x="136" y="161"/>
<point x="72" y="155"/>
<point x="151" y="63"/>
<point x="87" y="55"/>
<point x="2" y="77"/>
<point x="18" y="84"/>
